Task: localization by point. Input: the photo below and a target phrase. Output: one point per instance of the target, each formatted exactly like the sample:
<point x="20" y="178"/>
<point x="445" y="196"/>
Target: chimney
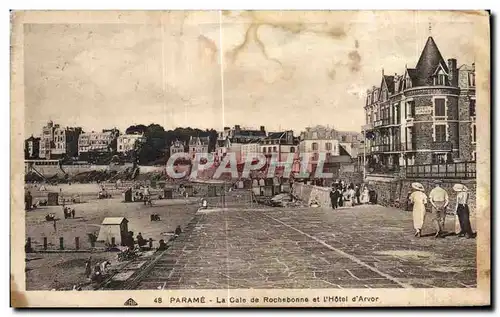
<point x="452" y="68"/>
<point x="262" y="128"/>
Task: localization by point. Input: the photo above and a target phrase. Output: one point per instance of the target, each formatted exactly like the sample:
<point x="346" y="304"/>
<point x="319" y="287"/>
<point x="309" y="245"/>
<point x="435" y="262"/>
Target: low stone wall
<point x="308" y="193"/>
<point x="391" y="190"/>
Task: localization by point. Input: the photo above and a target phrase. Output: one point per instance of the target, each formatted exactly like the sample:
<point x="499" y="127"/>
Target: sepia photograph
<point x="250" y="158"/>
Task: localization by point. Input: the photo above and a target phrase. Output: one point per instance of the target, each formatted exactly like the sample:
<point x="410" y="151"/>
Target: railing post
<point x="28" y="244"/>
<point x="438" y="170"/>
<point x="61" y="243"/>
<point x="45" y="243"/>
<point x="455" y="176"/>
<point x="77" y="243"/>
<point x="466" y="173"/>
<point x="446" y="169"/>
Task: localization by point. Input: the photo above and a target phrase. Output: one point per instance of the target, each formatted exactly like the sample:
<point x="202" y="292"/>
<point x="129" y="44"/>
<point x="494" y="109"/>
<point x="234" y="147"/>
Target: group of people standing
<point x="439" y="201"/>
<point x="350" y="195"/>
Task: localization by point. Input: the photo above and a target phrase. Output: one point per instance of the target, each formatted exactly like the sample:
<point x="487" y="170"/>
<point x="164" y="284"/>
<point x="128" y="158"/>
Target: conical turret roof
<point x="429" y="60"/>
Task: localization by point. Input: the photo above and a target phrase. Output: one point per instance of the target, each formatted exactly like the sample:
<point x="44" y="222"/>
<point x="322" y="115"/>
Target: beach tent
<point x="113" y="227"/>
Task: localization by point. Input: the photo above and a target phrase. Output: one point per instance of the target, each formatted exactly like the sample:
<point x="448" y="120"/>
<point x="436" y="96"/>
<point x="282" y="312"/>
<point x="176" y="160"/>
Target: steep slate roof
<point x="389" y="81"/>
<point x="203" y="140"/>
<point x="429" y="60"/>
<point x="275" y="135"/>
<point x="251" y="133"/>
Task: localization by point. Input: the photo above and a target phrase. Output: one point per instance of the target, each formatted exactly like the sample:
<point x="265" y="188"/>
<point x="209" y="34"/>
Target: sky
<point x="210" y="69"/>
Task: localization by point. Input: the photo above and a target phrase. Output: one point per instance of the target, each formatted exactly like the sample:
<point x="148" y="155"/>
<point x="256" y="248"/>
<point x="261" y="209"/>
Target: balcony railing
<point x="378" y="148"/>
<point x="441" y="146"/>
<point x="461" y="170"/>
<point x="386" y="122"/>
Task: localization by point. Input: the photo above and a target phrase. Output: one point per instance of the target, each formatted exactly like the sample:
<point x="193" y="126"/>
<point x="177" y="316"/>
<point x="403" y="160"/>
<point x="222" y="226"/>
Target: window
<point x="264" y="149"/>
<point x="343" y="138"/>
<point x="439" y="107"/>
<point x="440" y="133"/>
<point x="328" y="146"/>
<point x="274" y="149"/>
<point x="292" y="150"/>
<point x="410" y="109"/>
<point x="472" y="107"/>
<point x="472" y="79"/>
<point x="315" y="146"/>
<point x="315" y="135"/>
<point x="441" y="80"/>
<point x="473" y="128"/>
<point x="474" y="157"/>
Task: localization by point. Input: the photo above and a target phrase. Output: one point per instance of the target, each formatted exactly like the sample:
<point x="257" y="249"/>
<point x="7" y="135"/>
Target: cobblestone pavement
<point x="359" y="247"/>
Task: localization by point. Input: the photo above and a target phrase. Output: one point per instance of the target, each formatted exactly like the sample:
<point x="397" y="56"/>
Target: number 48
<point x="158" y="300"/>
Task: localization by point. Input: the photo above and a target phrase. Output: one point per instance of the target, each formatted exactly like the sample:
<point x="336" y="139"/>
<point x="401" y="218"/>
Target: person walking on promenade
<point x="352" y="195"/>
<point x="462" y="210"/>
<point x="439" y="201"/>
<point x="333" y="197"/>
<point x="340" y="195"/>
<point x="419" y="200"/>
<point x="358" y="194"/>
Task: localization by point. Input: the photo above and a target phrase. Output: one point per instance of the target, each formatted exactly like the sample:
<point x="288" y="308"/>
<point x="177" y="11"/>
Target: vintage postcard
<point x="250" y="158"/>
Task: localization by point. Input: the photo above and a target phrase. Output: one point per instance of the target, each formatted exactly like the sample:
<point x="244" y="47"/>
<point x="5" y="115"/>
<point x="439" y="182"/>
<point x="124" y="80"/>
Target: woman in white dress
<point x="365" y="195"/>
<point x="419" y="200"/>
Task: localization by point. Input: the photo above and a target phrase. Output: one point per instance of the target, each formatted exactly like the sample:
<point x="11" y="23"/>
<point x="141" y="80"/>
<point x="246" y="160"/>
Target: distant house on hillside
<point x="198" y="145"/>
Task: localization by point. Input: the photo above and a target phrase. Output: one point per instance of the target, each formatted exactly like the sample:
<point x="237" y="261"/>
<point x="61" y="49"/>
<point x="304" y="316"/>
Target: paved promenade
<point x="360" y="247"/>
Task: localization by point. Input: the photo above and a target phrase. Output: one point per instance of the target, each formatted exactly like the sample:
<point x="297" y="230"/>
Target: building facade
<point x="239" y="141"/>
<point x="128" y="142"/>
<point x="177" y="147"/>
<point x="425" y="116"/>
<point x="98" y="142"/>
<point x="65" y="142"/>
<point x="198" y="145"/>
<point x="47" y="140"/>
<point x="57" y="142"/>
<point x="32" y="148"/>
<point x="319" y="139"/>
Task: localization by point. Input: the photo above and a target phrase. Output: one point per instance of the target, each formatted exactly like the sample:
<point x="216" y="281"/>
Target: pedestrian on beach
<point x="88" y="267"/>
<point x="462" y="211"/>
<point x="178" y="230"/>
<point x="73" y="213"/>
<point x="55" y="225"/>
<point x="419" y="200"/>
<point x="439" y="201"/>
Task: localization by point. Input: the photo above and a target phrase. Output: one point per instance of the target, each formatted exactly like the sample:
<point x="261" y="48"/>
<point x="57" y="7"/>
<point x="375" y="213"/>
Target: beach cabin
<point x="113" y="227"/>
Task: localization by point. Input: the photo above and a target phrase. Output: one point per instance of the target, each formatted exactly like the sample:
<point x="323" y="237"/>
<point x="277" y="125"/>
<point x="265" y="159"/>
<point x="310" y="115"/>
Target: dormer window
<point x="440" y="78"/>
<point x="408" y="82"/>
